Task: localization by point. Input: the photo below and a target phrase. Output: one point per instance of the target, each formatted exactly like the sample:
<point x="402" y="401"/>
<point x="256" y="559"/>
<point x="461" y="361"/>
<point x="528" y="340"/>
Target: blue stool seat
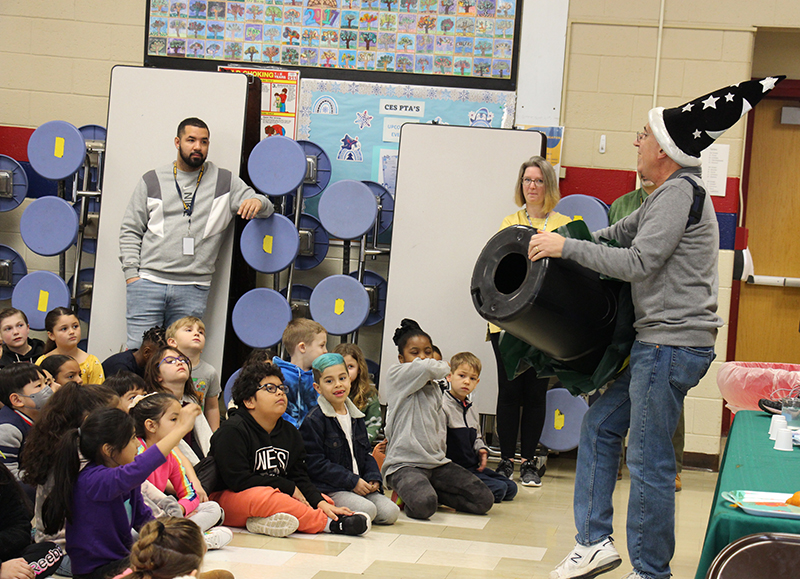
<point x="37" y="293"/>
<point x="56" y="150"/>
<point x="49" y="226"/>
<point x="562" y="424"/>
<point x="260" y="316"/>
<point x="18" y="270"/>
<point x="270" y="245"/>
<point x="277" y="166"/>
<point x="19" y="187"/>
<point x="593" y="211"/>
<point x="348" y="209"/>
<point x="340" y="304"/>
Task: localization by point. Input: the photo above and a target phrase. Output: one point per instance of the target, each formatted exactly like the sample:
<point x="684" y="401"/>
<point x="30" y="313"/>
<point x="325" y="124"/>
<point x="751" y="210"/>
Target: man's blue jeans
<point x="646" y="399"/>
<point x="154" y="304"/>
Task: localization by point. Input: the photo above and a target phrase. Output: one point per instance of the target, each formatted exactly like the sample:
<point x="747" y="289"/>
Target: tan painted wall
<point x="611" y="64"/>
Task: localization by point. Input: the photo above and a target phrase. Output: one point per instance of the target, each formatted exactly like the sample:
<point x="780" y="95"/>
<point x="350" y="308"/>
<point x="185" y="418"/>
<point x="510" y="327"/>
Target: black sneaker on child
<point x="529" y="475"/>
<point x="505" y="468"/>
<point x="355" y="524"/>
<point x="770" y="406"/>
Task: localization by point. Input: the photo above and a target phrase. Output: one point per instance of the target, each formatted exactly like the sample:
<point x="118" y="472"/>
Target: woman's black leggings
<point x="526" y="391"/>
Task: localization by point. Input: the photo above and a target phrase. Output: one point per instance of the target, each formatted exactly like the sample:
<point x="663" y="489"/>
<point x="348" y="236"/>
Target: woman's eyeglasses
<point x="272" y="388"/>
<point x="528" y="182"/>
<point x="175" y="360"/>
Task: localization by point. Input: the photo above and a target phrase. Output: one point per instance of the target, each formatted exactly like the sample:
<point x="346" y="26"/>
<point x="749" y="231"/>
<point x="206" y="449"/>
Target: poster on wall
<point x="459" y="38"/>
<point x="279" y="91"/>
<point x="358" y="124"/>
<point x="555" y="140"/>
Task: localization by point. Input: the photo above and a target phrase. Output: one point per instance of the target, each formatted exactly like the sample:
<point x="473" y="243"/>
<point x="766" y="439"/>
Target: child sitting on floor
<point x="335" y="436"/>
<point x="262" y="465"/>
<point x="416" y="466"/>
<point x="465" y="445"/>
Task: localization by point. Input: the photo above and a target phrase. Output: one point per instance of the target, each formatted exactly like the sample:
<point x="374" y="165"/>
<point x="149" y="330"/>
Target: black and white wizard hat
<point x="684" y="131"/>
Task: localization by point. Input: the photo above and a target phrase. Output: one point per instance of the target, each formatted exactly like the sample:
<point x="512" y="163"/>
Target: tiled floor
<point x="523" y="538"/>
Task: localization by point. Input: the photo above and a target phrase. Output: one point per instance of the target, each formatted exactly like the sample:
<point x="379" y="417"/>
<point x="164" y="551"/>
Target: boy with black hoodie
<point x="17" y="346"/>
<point x="262" y="465"/>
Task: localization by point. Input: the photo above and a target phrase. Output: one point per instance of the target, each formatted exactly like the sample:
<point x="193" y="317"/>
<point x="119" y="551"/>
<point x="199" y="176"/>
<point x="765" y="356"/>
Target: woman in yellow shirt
<point x="537" y="194"/>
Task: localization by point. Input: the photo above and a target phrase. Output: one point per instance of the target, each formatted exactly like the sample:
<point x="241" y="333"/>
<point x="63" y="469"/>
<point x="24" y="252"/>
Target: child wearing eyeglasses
<point x="262" y="465"/>
<point x="169" y="370"/>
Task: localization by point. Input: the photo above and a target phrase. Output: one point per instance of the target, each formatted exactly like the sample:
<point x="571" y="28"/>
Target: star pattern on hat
<point x="768" y="83"/>
<point x="691" y="127"/>
<point x="710" y="102"/>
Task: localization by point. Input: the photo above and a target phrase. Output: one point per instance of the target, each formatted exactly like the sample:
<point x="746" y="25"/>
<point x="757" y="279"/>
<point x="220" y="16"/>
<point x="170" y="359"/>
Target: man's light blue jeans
<point x="646" y="399"/>
<point x="154" y="304"/>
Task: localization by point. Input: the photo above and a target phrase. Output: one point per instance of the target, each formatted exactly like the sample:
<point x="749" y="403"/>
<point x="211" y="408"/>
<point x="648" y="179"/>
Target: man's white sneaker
<point x="634" y="575"/>
<point x="217" y="537"/>
<point x="277" y="525"/>
<point x="586" y="562"/>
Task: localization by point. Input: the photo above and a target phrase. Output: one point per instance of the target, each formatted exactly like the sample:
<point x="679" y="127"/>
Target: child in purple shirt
<point x="103" y="501"/>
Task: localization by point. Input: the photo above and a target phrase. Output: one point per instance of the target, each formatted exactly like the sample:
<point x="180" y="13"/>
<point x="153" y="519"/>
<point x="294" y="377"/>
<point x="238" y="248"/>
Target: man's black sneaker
<point x="355" y="524"/>
<point x="770" y="406"/>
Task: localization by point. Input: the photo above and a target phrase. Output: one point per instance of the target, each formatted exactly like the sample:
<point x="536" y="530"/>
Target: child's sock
<point x="355" y="524"/>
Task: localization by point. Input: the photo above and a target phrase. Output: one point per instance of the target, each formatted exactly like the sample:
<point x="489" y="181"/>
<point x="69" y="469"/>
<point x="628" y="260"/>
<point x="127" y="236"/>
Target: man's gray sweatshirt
<point x="152" y="231"/>
<point x="415" y="424"/>
<point x="672" y="268"/>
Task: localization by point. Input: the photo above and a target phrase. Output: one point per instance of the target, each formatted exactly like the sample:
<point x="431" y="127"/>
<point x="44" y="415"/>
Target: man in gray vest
<point x="172" y="231"/>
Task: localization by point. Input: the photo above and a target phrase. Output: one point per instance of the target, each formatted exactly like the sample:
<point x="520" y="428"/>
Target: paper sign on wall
<point x="715" y="168"/>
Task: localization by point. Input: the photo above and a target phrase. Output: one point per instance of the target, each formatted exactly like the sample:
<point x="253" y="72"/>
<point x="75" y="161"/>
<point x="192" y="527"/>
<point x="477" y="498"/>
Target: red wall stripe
<point x="14" y="142"/>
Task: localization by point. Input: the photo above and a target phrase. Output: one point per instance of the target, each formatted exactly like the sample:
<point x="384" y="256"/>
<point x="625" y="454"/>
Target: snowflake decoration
<point x="363" y="120"/>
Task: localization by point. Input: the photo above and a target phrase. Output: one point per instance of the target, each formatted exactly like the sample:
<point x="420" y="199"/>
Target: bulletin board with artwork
<point x="470" y="43"/>
<point x="358" y="124"/>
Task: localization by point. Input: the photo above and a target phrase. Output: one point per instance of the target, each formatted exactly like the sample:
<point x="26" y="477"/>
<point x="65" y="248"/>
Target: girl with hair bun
<point x="416" y="466"/>
<point x="169" y="548"/>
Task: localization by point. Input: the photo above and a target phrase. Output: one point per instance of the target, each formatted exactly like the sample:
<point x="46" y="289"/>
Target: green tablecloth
<point x="749" y="464"/>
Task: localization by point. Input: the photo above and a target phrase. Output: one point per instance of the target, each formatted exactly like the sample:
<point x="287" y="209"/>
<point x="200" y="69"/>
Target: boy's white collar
<point x="327" y="408"/>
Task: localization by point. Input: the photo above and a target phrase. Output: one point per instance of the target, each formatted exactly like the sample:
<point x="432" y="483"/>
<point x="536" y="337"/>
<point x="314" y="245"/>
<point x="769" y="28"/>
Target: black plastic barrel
<point x="557" y="306"/>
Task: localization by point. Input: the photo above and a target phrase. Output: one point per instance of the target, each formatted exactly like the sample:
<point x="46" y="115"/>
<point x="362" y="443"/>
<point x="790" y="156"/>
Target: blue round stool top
<point x="348" y="209"/>
<point x="19" y="186"/>
<point x="56" y="150"/>
<point x="321" y="242"/>
<point x="373" y="280"/>
<point x="340" y="304"/>
<point x="593" y="211"/>
<point x="562" y="424"/>
<point x="323" y="169"/>
<point x="85" y="275"/>
<point x="260" y="316"/>
<point x="270" y="245"/>
<point x="93" y="132"/>
<point x="37" y="293"/>
<point x="387" y="204"/>
<point x="18" y="270"/>
<point x="227" y="393"/>
<point x="277" y="165"/>
<point x="49" y="226"/>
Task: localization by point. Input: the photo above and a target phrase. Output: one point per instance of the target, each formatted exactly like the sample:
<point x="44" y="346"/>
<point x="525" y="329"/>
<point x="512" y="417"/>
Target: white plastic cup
<point x="772" y="423"/>
<point x="780" y="422"/>
<point x="783" y="440"/>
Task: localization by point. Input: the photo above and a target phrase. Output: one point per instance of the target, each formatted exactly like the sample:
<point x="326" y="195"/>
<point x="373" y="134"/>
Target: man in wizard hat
<point x="668" y="252"/>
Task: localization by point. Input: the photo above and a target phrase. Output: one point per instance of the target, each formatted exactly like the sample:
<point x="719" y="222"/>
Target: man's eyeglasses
<point x="272" y="388"/>
<point x="175" y="360"/>
<point x="528" y="182"/>
<point x="640" y="136"/>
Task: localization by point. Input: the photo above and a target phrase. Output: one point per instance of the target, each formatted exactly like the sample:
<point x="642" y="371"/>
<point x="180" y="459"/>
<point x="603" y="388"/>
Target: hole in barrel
<point x="510" y="273"/>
